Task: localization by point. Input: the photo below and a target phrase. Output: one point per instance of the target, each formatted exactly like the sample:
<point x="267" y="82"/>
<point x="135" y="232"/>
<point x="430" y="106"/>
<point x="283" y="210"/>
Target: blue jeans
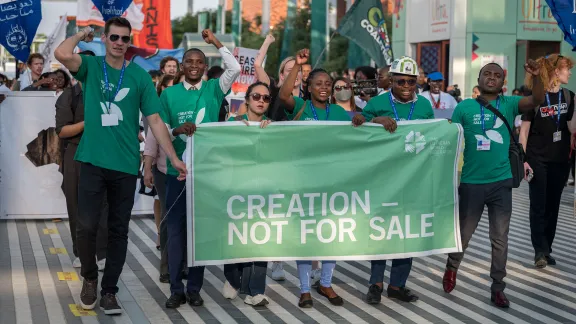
<point x="249" y="277"/>
<point x="398" y="273"/>
<point x="304" y="270"/>
<point x="176" y="228"/>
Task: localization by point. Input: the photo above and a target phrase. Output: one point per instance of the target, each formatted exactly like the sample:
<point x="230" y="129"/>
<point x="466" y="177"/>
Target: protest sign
<point x="322" y="191"/>
<point x="246" y="57"/>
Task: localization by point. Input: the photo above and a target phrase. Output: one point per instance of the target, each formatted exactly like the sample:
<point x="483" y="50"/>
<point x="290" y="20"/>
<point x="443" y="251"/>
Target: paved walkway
<point x="31" y="292"/>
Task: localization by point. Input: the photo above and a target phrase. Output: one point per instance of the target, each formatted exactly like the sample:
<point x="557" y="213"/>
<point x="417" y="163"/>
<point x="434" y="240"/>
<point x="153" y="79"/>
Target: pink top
<point x="153" y="149"/>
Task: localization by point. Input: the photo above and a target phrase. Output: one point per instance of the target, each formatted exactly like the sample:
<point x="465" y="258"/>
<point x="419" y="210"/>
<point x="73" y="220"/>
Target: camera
<point x="456" y="93"/>
<point x="368" y="87"/>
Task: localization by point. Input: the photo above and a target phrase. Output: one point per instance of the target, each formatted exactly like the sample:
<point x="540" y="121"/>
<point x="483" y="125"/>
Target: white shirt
<point x="442" y="104"/>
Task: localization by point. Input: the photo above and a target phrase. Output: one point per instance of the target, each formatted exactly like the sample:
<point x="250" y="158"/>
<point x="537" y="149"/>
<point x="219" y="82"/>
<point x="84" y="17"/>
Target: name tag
<point x="109" y="120"/>
<point x="483" y="145"/>
<point x="557" y="137"/>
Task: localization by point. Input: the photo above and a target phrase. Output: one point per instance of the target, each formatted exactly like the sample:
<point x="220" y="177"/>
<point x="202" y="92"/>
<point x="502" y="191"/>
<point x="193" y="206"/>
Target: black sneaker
<point x="89" y="295"/>
<point x="176" y="300"/>
<point x="109" y="305"/>
<point x="550" y="260"/>
<point x="404" y="294"/>
<point x="374" y="295"/>
<point x="164" y="278"/>
<point x="194" y="299"/>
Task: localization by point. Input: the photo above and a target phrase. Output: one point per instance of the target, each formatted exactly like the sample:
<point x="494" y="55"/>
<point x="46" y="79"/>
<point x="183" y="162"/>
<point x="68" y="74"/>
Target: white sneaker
<point x="258" y="300"/>
<point x="315" y="275"/>
<point x="76" y="263"/>
<point x="228" y="291"/>
<point x="278" y="271"/>
<point x="101" y="264"/>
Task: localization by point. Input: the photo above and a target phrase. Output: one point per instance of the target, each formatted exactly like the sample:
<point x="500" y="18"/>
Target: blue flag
<point x="112" y="8"/>
<point x="19" y="20"/>
<point x="564" y="13"/>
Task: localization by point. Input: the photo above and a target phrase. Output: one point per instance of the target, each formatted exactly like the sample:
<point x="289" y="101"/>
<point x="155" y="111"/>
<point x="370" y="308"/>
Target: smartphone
<point x="529" y="175"/>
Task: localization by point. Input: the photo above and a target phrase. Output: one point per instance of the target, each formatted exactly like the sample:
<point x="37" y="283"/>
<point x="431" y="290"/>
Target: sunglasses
<point x="340" y="88"/>
<point x="402" y="82"/>
<point x="114" y="38"/>
<point x="257" y="97"/>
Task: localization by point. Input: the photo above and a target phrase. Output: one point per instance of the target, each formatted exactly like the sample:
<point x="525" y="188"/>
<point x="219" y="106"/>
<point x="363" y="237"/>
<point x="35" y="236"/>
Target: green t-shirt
<point x="245" y="117"/>
<point x="380" y="107"/>
<point x="486" y="166"/>
<point x="337" y="113"/>
<point x="114" y="147"/>
<point x="196" y="106"/>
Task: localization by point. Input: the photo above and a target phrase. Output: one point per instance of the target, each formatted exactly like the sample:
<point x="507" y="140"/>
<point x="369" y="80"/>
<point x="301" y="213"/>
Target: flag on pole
<point x="364" y="24"/>
<point x="563" y="11"/>
<point x="157" y="26"/>
<point x="57" y="36"/>
<point x="19" y="20"/>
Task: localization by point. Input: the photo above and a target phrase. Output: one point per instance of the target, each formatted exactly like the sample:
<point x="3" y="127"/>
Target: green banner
<point x="288" y="30"/>
<point x="318" y="30"/>
<point x="322" y="191"/>
<point x="236" y="21"/>
<point x="203" y="21"/>
<point x="364" y="24"/>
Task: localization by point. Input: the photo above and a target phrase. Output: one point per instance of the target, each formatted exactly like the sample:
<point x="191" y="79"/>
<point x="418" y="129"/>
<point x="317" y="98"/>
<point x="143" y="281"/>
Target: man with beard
<point x="184" y="105"/>
<point x="169" y="65"/>
<point x="401" y="103"/>
<point x="486" y="174"/>
<point x="442" y="102"/>
<point x="115" y="92"/>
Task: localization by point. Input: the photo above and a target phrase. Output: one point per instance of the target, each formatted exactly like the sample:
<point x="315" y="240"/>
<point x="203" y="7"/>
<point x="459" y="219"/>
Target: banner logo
<point x="414" y="143"/>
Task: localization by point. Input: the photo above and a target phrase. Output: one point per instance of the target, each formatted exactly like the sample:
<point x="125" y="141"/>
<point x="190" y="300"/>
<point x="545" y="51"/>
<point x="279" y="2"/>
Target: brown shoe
<point x="329" y="293"/>
<point x="449" y="280"/>
<point x="305" y="301"/>
<point x="499" y="299"/>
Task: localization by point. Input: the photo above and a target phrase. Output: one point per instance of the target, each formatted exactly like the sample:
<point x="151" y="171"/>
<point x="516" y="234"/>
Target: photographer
<point x="365" y="87"/>
<point x="442" y="102"/>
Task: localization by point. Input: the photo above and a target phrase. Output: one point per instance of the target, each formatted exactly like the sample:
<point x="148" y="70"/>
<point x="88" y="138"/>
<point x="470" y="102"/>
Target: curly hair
<point x="548" y="66"/>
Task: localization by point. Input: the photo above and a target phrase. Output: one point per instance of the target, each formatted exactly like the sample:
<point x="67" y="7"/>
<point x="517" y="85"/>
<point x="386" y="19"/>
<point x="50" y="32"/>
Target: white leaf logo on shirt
<point x="498" y="123"/>
<point x="104" y="110"/>
<point x="115" y="110"/>
<point x="200" y="116"/>
<point x="121" y="94"/>
<point x="495" y="136"/>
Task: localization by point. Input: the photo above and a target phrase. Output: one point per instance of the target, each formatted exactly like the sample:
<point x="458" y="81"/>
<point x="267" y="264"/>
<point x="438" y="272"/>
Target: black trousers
<point x="71" y="174"/>
<point x="545" y="194"/>
<point x="95" y="184"/>
<point x="498" y="197"/>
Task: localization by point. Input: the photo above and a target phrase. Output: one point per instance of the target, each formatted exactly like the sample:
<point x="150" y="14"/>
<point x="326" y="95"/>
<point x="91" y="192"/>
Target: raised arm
<point x="285" y="93"/>
<point x="260" y="73"/>
<point x="65" y="52"/>
<point x="527" y="104"/>
<point x="231" y="66"/>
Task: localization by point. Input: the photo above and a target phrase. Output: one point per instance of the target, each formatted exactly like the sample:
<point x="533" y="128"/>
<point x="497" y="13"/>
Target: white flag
<point x="88" y="15"/>
<point x="57" y="36"/>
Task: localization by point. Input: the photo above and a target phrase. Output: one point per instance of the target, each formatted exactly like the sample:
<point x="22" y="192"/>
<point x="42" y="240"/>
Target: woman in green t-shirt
<point x="315" y="103"/>
<point x="315" y="106"/>
<point x="257" y="102"/>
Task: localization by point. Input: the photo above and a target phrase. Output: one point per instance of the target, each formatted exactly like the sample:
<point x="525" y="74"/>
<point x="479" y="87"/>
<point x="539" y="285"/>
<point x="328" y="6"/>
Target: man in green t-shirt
<point x="486" y="174"/>
<point x="185" y="105"/>
<point x="115" y="91"/>
<point x="401" y="103"/>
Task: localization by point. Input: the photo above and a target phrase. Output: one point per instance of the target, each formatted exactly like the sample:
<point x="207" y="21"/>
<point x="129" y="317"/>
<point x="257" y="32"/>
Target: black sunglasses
<point x="114" y="37"/>
<point x="257" y="97"/>
<point x="402" y="82"/>
<point x="340" y="88"/>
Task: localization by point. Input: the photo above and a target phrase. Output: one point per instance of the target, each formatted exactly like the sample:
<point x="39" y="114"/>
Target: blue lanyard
<point x="314" y="110"/>
<point x="482" y="116"/>
<point x="396" y="113"/>
<point x="106" y="84"/>
<point x="557" y="120"/>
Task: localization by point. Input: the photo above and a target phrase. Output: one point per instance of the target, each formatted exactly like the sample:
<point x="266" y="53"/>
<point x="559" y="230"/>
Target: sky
<point x="179" y="7"/>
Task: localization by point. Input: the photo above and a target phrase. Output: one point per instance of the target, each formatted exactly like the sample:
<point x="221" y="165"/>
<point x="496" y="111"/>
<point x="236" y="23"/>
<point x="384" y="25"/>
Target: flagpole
<point x="325" y="47"/>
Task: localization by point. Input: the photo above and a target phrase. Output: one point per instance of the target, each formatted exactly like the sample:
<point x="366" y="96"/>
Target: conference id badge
<point x="557" y="136"/>
<point x="109" y="120"/>
<point x="483" y="145"/>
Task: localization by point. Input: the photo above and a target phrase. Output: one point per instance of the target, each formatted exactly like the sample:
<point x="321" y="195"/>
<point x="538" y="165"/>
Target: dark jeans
<point x="71" y="176"/>
<point x="96" y="183"/>
<point x="498" y="197"/>
<point x="399" y="271"/>
<point x="176" y="226"/>
<point x="160" y="184"/>
<point x="249" y="277"/>
<point x="545" y="194"/>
